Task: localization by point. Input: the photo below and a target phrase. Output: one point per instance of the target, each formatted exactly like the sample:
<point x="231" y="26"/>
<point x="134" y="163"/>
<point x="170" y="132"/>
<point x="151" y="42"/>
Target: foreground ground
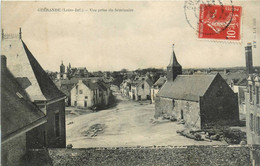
<point x="129" y="123"/>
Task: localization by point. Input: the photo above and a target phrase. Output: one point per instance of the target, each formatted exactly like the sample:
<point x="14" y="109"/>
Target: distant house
<point x="104" y="93"/>
<point x="252" y="98"/>
<point x="18" y="116"/>
<point x="65" y="85"/>
<point x="156" y="87"/>
<point x="84" y="94"/>
<point x="201" y="101"/>
<point x="41" y="91"/>
<point x="141" y="88"/>
<point x="125" y="87"/>
<point x="88" y="93"/>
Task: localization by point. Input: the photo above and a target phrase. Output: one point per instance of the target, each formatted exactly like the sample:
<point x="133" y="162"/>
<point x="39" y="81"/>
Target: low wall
<point x="189" y="156"/>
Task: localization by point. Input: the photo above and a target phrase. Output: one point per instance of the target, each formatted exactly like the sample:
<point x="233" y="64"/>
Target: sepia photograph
<point x="130" y="83"/>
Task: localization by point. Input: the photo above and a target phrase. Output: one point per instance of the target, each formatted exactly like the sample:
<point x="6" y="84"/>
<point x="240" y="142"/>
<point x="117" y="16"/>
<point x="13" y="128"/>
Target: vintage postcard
<point x="130" y="83"/>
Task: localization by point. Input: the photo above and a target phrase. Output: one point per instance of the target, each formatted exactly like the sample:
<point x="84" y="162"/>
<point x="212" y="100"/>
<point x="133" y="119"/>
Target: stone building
<point x="65" y="85"/>
<point x="252" y="98"/>
<point x="41" y="91"/>
<point x="88" y="93"/>
<point x="141" y="88"/>
<point x="18" y="117"/>
<point x="156" y="87"/>
<point x="201" y="101"/>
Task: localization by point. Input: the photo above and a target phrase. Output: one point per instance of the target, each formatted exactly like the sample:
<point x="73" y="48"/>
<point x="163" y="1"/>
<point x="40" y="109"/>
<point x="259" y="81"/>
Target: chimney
<point x="3" y="35"/>
<point x="249" y="59"/>
<point x="3" y="62"/>
<point x="20" y="33"/>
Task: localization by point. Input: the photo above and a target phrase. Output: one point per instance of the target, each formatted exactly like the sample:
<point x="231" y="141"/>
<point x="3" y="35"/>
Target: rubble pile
<point x="191" y="135"/>
<point x="229" y="135"/>
<point x="94" y="130"/>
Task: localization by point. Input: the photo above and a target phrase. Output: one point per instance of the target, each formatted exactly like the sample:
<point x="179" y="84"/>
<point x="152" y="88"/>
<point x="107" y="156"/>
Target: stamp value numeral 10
<point x="231" y="33"/>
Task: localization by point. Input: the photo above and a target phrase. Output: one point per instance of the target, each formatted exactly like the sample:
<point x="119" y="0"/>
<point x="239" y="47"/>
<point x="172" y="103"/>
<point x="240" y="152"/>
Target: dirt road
<point x="129" y="123"/>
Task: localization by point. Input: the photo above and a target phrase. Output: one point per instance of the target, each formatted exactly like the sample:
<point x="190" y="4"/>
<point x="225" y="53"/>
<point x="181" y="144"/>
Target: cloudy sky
<point x="114" y="40"/>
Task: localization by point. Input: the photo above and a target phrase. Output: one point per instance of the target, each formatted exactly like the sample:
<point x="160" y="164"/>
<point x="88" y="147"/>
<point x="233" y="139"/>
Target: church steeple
<point x="62" y="68"/>
<point x="174" y="68"/>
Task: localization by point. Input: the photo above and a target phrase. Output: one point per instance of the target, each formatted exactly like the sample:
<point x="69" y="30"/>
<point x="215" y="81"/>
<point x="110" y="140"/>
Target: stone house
<point x="18" y="116"/>
<point x="201" y="101"/>
<point x="41" y="91"/>
<point x="141" y="88"/>
<point x="65" y="85"/>
<point x="156" y="87"/>
<point x="88" y="93"/>
<point x="252" y="98"/>
<point x="84" y="94"/>
<point x="104" y="93"/>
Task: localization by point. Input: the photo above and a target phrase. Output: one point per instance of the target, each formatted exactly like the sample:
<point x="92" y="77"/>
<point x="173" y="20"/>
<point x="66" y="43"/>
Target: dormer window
<point x="19" y="95"/>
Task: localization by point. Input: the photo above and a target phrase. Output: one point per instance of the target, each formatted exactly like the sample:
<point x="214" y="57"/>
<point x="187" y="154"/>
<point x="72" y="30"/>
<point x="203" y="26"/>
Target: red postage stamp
<point x="219" y="22"/>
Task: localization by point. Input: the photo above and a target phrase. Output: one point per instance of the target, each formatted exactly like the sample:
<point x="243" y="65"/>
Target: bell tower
<point x="174" y="68"/>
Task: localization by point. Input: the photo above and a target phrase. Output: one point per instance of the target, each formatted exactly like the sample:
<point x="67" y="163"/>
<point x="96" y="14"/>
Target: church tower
<point x="62" y="68"/>
<point x="174" y="68"/>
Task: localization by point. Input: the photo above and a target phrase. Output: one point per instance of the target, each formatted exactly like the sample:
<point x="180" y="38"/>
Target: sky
<point x="139" y="38"/>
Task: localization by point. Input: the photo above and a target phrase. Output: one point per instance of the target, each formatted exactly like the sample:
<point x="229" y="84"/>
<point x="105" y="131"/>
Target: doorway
<point x="182" y="117"/>
<point x="85" y="103"/>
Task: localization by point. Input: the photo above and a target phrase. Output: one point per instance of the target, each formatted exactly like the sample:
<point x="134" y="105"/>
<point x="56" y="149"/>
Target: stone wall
<point x="179" y="109"/>
<point x="191" y="113"/>
<point x="13" y="151"/>
<point x="252" y="109"/>
<point x="219" y="105"/>
<point x="163" y="106"/>
<point x="52" y="140"/>
<point x="189" y="156"/>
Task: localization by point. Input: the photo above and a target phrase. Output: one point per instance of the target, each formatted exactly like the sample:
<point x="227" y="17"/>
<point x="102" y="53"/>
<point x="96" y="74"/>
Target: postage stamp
<point x="219" y="22"/>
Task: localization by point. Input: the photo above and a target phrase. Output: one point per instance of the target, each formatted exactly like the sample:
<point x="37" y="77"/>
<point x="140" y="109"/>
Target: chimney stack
<point x="3" y="62"/>
<point x="3" y="34"/>
<point x="249" y="59"/>
<point x="20" y="33"/>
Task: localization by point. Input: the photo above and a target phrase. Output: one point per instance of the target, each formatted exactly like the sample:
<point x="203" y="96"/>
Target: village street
<point x="130" y="123"/>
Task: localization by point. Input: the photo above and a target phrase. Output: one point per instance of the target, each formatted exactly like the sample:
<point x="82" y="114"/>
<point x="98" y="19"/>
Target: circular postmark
<point x="208" y="17"/>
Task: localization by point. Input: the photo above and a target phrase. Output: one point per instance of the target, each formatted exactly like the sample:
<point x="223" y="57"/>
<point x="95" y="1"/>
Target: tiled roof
<point x="140" y="80"/>
<point x="22" y="64"/>
<point x="17" y="111"/>
<point x="186" y="87"/>
<point x="239" y="78"/>
<point x="160" y="81"/>
<point x="91" y="85"/>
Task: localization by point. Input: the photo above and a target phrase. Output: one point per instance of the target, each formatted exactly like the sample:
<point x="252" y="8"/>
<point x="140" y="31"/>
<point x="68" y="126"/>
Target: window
<point x="257" y="95"/>
<point x="57" y="124"/>
<point x="142" y="86"/>
<point x="250" y="92"/>
<point x="77" y="89"/>
<point x="258" y="125"/>
<point x="44" y="139"/>
<point x="80" y="91"/>
<point x="19" y="95"/>
<point x="86" y="97"/>
<point x="251" y="123"/>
